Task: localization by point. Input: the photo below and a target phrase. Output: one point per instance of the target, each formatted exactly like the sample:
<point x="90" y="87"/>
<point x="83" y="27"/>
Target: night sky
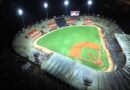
<point x="34" y="11"/>
<point x="10" y="22"/>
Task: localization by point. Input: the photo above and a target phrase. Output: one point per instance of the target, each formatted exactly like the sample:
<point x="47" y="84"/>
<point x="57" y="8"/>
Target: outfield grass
<point x="63" y="40"/>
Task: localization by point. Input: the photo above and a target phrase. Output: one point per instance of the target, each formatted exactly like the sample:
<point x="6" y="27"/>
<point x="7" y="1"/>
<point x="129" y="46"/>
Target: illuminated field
<point x="81" y="43"/>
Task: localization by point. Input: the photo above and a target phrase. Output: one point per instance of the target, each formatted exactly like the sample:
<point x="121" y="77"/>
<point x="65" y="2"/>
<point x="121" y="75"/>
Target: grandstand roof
<point x="33" y="12"/>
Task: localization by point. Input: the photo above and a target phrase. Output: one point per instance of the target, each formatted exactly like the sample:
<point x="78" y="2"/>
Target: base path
<point x="76" y="51"/>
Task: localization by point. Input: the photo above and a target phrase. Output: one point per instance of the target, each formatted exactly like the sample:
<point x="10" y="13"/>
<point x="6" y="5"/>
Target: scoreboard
<point x="74" y="13"/>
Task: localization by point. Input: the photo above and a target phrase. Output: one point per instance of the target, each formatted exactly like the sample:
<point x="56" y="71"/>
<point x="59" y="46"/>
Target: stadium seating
<point x="61" y="22"/>
<point x="70" y="21"/>
<point x="73" y="73"/>
<point x="52" y="25"/>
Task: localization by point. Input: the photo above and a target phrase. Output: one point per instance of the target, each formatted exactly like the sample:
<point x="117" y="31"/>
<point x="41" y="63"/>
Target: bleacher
<point x="34" y="34"/>
<point x="65" y="69"/>
<point x="88" y="21"/>
<point x="61" y="22"/>
<point x="70" y="21"/>
<point x="52" y="25"/>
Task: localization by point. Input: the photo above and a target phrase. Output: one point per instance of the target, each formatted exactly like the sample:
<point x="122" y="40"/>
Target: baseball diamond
<point x="83" y="44"/>
<point x="77" y="49"/>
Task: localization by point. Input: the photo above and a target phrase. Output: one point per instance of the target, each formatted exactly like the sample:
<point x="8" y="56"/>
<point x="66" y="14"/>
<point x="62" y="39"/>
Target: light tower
<point x="66" y="3"/>
<point x="46" y="6"/>
<point x="89" y="3"/>
<point x="20" y="13"/>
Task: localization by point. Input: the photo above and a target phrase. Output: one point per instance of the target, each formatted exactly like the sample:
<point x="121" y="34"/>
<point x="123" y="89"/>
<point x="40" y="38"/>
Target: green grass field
<point x="63" y="40"/>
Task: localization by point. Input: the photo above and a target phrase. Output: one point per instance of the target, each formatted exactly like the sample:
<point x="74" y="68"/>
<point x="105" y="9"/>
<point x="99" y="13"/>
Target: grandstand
<point x="61" y="22"/>
<point x="74" y="73"/>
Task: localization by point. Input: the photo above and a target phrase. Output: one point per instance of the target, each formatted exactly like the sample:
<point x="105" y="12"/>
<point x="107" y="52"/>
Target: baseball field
<point x="82" y="44"/>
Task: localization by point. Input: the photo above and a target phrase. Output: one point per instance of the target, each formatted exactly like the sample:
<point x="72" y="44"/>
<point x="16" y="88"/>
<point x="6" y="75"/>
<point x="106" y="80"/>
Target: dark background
<point x="10" y="24"/>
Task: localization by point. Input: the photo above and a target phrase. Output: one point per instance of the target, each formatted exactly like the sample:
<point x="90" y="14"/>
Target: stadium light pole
<point x="46" y="6"/>
<point x="89" y="3"/>
<point x="20" y="13"/>
<point x="66" y="3"/>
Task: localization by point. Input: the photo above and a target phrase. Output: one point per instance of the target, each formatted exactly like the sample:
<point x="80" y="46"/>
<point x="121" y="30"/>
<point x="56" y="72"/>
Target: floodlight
<point x="66" y="2"/>
<point x="20" y="12"/>
<point x="45" y="5"/>
<point x="90" y="2"/>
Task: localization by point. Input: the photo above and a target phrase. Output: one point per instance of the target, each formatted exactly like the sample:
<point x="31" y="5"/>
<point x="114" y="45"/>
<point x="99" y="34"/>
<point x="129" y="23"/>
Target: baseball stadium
<point x="76" y="49"/>
<point x="84" y="52"/>
<point x="86" y="47"/>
